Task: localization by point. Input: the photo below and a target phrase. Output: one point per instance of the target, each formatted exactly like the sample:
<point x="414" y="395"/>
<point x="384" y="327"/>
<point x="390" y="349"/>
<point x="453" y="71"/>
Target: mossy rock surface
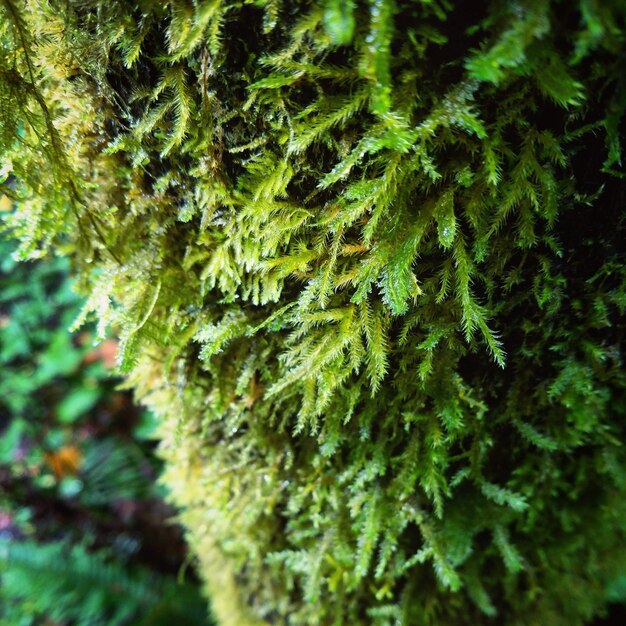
<point x="367" y="263"/>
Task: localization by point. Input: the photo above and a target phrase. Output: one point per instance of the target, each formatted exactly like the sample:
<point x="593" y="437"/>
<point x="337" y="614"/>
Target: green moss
<point x="367" y="264"/>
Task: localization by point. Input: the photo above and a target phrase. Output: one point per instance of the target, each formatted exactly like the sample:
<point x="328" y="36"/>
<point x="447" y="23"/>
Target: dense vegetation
<point x="85" y="537"/>
<point x="368" y="263"/>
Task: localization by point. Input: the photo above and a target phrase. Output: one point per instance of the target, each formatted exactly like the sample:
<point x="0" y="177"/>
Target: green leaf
<point x="60" y="358"/>
<point x="78" y="402"/>
<point x="10" y="440"/>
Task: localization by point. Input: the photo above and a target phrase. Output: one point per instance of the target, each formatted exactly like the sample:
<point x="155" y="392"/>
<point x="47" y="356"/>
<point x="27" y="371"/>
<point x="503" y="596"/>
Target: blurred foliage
<point x="90" y="589"/>
<point x="81" y="514"/>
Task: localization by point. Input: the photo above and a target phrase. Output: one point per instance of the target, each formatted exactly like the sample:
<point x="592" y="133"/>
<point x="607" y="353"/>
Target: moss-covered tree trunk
<point x="367" y="261"/>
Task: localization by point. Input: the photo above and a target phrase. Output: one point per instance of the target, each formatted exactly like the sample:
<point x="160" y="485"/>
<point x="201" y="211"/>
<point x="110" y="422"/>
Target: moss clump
<point x="367" y="263"/>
